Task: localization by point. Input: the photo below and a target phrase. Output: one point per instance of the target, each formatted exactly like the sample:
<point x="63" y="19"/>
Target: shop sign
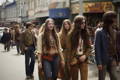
<point x="58" y="4"/>
<point x="97" y="7"/>
<point x="75" y="8"/>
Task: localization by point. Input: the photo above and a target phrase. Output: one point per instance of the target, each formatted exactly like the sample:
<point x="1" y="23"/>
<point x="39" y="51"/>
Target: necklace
<point x="80" y="47"/>
<point x="52" y="41"/>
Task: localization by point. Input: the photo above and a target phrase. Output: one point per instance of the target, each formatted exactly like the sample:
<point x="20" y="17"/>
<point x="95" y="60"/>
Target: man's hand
<point x="39" y="60"/>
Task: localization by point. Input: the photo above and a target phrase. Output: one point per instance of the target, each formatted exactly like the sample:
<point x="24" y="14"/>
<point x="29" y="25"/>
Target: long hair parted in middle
<point x="78" y="32"/>
<point x="42" y="28"/>
<point x="108" y="20"/>
<point x="46" y="34"/>
<point x="63" y="30"/>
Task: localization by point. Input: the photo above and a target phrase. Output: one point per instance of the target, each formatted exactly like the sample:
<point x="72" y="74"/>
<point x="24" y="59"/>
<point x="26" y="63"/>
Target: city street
<point x="12" y="66"/>
<point x="54" y="24"/>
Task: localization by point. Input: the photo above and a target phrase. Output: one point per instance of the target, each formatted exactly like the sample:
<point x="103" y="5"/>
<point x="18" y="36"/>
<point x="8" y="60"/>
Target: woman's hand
<point x="39" y="64"/>
<point x="39" y="60"/>
<point x="63" y="63"/>
<point x="74" y="61"/>
<point x="82" y="58"/>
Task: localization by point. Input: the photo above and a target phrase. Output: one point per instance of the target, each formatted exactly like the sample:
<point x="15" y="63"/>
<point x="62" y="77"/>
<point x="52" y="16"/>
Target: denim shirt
<point x="101" y="47"/>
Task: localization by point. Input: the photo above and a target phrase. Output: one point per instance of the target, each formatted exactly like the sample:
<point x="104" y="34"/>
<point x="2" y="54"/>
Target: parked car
<point x="1" y="32"/>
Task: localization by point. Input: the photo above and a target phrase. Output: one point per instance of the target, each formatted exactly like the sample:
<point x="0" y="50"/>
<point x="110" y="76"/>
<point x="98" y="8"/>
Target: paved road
<point x="12" y="66"/>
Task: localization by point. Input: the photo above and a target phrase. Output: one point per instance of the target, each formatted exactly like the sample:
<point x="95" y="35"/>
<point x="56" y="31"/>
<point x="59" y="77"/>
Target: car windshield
<point x="1" y="30"/>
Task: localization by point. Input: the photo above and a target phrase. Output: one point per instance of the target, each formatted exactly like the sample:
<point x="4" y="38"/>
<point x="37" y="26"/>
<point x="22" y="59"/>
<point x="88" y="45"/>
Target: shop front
<point x="59" y="10"/>
<point x="41" y="16"/>
<point x="94" y="10"/>
<point x="59" y="14"/>
<point x="75" y="8"/>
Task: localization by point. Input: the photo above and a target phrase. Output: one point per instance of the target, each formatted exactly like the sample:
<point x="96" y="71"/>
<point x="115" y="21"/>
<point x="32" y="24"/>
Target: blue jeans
<point x="51" y="68"/>
<point x="18" y="47"/>
<point x="29" y="61"/>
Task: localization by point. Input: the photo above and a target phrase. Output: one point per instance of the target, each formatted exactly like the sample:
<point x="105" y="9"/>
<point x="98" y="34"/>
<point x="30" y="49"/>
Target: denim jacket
<point x="101" y="47"/>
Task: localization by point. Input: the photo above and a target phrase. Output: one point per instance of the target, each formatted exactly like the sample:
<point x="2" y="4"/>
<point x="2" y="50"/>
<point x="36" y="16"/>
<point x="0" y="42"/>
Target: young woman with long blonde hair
<point x="49" y="49"/>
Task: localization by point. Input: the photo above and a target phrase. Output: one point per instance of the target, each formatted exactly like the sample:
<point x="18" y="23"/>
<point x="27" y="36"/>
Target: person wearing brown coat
<point x="79" y="47"/>
<point x="28" y="44"/>
<point x="17" y="38"/>
<point x="63" y="34"/>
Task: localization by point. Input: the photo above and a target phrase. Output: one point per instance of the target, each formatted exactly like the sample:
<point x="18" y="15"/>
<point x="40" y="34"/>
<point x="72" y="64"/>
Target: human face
<point x="67" y="26"/>
<point x="82" y="24"/>
<point x="31" y="27"/>
<point x="50" y="25"/>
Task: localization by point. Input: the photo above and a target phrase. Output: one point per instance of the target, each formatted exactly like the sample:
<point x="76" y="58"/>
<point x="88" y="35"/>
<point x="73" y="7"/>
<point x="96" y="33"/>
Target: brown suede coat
<point x="86" y="48"/>
<point x="63" y="41"/>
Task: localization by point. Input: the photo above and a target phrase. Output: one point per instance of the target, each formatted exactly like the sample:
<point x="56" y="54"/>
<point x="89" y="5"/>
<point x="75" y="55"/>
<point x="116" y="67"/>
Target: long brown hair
<point x="63" y="30"/>
<point x="108" y="20"/>
<point x="46" y="34"/>
<point x="77" y="32"/>
<point x="42" y="28"/>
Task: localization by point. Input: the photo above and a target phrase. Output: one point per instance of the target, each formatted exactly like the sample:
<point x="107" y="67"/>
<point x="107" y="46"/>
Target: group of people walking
<point x="63" y="54"/>
<point x="11" y="37"/>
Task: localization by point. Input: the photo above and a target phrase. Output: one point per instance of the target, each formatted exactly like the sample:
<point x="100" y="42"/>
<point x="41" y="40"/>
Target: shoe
<point x="28" y="77"/>
<point x="22" y="53"/>
<point x="32" y="77"/>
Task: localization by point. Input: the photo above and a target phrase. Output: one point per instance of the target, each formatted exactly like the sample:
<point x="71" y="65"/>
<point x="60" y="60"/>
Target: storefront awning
<point x="98" y="7"/>
<point x="59" y="13"/>
<point x="116" y="1"/>
<point x="96" y="0"/>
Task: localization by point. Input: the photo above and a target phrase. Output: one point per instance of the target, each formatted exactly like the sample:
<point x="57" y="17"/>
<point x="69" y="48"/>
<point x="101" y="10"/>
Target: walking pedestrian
<point x="17" y="38"/>
<point x="79" y="46"/>
<point x="49" y="50"/>
<point x="12" y="32"/>
<point x="29" y="43"/>
<point x="63" y="34"/>
<point x="105" y="47"/>
<point x="6" y="38"/>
